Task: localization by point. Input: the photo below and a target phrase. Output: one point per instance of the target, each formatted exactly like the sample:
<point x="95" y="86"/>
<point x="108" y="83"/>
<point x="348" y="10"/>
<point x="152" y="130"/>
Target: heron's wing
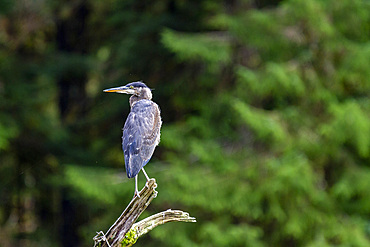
<point x="140" y="135"/>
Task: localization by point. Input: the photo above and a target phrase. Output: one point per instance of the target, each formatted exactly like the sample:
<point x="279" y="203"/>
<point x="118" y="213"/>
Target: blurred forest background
<point x="266" y="110"/>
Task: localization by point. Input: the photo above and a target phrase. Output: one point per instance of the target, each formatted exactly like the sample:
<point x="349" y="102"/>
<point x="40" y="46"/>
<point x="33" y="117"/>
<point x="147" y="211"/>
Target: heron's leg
<point x="136" y="190"/>
<point x="146" y="175"/>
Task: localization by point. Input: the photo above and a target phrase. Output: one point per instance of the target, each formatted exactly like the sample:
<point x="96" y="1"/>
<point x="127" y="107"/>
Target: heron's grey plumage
<point x="141" y="132"/>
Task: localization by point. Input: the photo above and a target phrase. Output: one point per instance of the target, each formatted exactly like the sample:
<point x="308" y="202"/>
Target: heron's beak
<point x="122" y="89"/>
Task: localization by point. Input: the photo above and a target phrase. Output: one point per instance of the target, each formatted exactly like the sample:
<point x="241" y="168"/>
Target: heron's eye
<point x="132" y="87"/>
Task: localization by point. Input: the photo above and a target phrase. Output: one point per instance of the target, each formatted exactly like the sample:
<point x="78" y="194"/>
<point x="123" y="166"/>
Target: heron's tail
<point x="133" y="166"/>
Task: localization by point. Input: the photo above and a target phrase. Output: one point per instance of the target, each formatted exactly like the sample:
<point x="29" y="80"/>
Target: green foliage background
<point x="266" y="110"/>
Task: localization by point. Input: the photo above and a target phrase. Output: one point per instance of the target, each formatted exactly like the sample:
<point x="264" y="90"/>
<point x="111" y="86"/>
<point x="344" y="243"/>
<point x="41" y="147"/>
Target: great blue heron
<point x="141" y="132"/>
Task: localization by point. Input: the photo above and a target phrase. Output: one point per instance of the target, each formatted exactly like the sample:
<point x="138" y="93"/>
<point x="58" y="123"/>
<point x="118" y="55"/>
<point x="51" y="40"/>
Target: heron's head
<point x="137" y="88"/>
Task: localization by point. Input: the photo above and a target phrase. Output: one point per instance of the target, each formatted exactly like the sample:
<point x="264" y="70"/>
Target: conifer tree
<point x="277" y="149"/>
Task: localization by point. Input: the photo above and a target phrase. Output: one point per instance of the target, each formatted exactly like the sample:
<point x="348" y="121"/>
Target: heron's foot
<point x="147" y="183"/>
<point x="136" y="194"/>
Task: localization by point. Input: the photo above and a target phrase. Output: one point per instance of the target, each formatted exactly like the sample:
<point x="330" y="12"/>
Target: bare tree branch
<point x="125" y="233"/>
<point x="142" y="227"/>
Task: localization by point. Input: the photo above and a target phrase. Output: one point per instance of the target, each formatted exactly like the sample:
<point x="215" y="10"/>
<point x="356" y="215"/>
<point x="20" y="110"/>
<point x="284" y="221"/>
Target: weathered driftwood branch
<point x="142" y="227"/>
<point x="125" y="233"/>
<point x="118" y="230"/>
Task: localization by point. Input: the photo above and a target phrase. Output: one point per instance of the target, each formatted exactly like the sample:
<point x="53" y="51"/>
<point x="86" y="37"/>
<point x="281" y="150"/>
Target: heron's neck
<point x="134" y="99"/>
<point x="144" y="94"/>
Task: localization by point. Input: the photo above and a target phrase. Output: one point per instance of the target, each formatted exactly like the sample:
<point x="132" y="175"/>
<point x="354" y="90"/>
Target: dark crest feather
<point x="137" y="84"/>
